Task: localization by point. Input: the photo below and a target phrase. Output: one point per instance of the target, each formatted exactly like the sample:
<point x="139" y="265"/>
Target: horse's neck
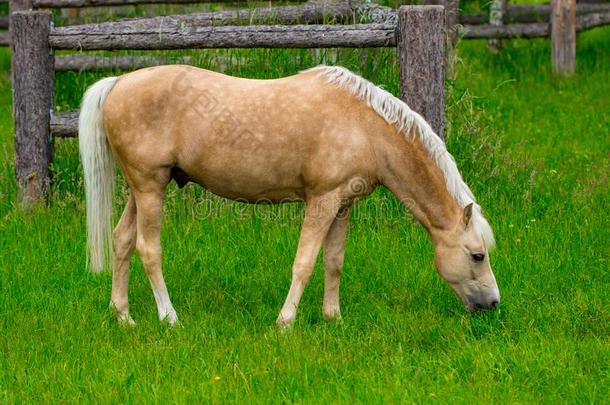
<point x="415" y="179"/>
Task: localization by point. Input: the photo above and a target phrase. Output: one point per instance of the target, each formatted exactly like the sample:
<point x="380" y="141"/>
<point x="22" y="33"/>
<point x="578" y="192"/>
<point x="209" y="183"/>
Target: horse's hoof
<point x="121" y="316"/>
<point x="171" y="319"/>
<point x="333" y="315"/>
<point x="284" y="327"/>
<point x="284" y="324"/>
<point x="126" y="320"/>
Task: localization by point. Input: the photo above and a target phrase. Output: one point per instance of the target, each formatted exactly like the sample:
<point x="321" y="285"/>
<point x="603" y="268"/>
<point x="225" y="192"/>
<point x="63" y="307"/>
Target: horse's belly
<point x="245" y="182"/>
<point x="253" y="195"/>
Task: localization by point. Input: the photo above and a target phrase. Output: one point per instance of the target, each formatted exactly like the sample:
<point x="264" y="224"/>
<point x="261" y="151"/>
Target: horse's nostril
<point x="494" y="304"/>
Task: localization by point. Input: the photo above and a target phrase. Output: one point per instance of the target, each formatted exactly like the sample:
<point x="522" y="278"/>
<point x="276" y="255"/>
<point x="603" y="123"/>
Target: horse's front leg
<point x="334" y="252"/>
<point x="319" y="215"/>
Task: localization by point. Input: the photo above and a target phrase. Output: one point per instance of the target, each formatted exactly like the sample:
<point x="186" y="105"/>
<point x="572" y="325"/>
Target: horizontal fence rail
<point x="65" y="124"/>
<point x="530" y="30"/>
<point x="105" y="3"/>
<point x="181" y="33"/>
<point x="5" y="38"/>
<point x="526" y="21"/>
<point x="592" y="20"/>
<point x="305" y="14"/>
<point x="531" y="13"/>
<point x="98" y="37"/>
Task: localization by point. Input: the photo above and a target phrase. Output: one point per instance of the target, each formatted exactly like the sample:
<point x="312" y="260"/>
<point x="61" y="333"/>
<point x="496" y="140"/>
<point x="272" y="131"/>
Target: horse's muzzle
<point x="482" y="305"/>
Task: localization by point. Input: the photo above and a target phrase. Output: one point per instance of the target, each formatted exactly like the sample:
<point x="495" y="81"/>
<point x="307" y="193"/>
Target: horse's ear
<point x="467" y="215"/>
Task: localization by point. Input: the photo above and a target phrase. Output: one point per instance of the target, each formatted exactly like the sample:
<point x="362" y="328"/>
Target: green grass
<point x="535" y="151"/>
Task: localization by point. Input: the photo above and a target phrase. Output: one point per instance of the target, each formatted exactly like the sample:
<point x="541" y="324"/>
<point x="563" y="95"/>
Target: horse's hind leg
<point x="149" y="202"/>
<point x="319" y="215"/>
<point x="334" y="252"/>
<point x="124" y="236"/>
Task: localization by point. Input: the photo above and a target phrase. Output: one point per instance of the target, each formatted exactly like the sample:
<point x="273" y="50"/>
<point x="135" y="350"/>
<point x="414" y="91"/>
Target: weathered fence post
<point x="32" y="70"/>
<point x="452" y="21"/>
<point x="563" y="36"/>
<point x="421" y="51"/>
<point x="452" y="17"/>
<point x="497" y="12"/>
<point x="19" y="5"/>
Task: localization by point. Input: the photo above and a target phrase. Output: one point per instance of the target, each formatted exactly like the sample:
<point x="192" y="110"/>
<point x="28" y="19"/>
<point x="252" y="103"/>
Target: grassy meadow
<point x="536" y="152"/>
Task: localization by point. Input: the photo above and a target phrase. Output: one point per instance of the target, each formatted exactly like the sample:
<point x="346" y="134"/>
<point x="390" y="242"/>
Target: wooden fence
<point x="419" y="36"/>
<point x="19" y="5"/>
<point x="504" y="21"/>
<point x="310" y="13"/>
<point x="417" y="31"/>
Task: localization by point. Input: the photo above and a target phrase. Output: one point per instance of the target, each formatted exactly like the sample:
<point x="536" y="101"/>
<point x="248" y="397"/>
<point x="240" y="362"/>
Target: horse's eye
<point x="478" y="257"/>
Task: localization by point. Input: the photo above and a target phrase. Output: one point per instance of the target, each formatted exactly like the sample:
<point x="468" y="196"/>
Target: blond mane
<point x="396" y="112"/>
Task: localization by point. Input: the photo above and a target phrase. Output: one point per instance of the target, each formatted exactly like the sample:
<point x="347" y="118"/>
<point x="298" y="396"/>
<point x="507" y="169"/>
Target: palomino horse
<point x="325" y="136"/>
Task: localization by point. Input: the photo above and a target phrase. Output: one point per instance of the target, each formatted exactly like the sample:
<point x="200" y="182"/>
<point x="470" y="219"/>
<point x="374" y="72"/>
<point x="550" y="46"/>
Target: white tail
<point x="99" y="168"/>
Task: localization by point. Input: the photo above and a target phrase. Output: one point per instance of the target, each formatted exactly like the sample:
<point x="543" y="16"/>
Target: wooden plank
<point x="65" y="125"/>
<point x="5" y="38"/>
<point x="4" y="22"/>
<point x="162" y="24"/>
<point x="531" y="13"/>
<point x="128" y="36"/>
<point x="306" y="14"/>
<point x="105" y="3"/>
<point x="421" y="50"/>
<point x="533" y="30"/>
<point x="592" y="20"/>
<point x="563" y="36"/>
<point x="313" y="13"/>
<point x="32" y="70"/>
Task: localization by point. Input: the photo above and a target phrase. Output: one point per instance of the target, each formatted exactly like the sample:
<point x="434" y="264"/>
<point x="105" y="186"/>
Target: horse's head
<point x="462" y="260"/>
